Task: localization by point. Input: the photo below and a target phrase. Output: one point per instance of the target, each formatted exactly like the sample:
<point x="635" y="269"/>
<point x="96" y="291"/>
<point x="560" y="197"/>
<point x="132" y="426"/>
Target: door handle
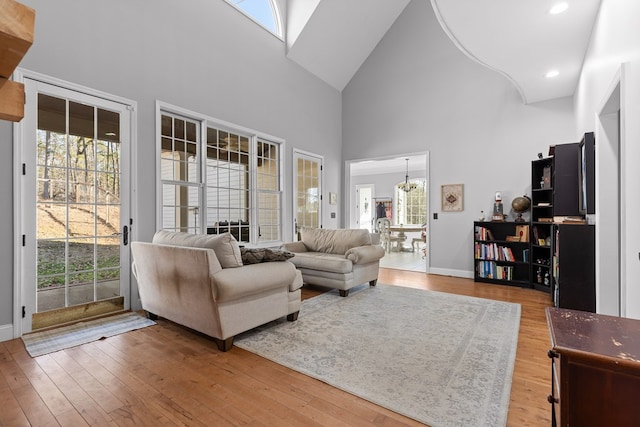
<point x="125" y="235"/>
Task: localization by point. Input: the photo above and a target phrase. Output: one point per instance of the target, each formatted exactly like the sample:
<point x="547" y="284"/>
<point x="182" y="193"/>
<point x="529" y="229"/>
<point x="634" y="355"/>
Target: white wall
<point x="417" y="92"/>
<point x="616" y="40"/>
<point x="201" y="55"/>
<point x="298" y="14"/>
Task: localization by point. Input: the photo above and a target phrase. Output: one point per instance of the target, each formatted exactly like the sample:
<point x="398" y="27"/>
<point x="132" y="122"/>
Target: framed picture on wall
<point x="452" y="195"/>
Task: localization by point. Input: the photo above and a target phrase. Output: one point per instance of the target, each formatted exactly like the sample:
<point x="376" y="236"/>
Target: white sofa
<point x="199" y="281"/>
<point x="336" y="258"/>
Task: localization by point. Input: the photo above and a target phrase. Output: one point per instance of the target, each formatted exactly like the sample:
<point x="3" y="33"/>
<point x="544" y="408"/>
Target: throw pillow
<point x="257" y="255"/>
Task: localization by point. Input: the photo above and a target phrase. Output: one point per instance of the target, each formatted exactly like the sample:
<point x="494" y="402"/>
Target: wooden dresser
<point x="595" y="363"/>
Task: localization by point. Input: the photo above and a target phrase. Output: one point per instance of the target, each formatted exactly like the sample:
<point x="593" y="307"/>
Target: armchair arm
<point x="295" y="247"/>
<point x="364" y="254"/>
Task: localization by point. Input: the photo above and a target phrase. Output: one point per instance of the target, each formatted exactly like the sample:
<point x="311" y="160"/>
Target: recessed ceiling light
<point x="558" y="8"/>
<point x="551" y="74"/>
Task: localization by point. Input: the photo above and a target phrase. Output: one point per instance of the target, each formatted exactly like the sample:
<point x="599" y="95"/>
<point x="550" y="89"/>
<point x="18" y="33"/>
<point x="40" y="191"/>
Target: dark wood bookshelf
<point x="498" y="257"/>
<point x="541" y="252"/>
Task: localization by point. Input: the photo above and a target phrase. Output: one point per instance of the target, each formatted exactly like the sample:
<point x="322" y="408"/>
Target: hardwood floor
<point x="168" y="375"/>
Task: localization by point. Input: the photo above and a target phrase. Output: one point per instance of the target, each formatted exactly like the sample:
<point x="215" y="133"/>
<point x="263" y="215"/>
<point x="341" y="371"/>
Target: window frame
<point x="204" y="122"/>
<point x="422" y="182"/>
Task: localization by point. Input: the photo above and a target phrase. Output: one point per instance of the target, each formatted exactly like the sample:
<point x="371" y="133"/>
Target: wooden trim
<point x="17" y="23"/>
<point x="75" y="313"/>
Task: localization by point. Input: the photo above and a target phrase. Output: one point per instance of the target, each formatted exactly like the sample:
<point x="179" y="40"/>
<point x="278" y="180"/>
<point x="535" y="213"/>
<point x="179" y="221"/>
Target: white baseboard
<point x="449" y="272"/>
<point x="6" y="332"/>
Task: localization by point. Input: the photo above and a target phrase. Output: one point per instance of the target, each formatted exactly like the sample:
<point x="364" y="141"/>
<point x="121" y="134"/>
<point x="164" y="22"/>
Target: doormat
<point x="39" y="343"/>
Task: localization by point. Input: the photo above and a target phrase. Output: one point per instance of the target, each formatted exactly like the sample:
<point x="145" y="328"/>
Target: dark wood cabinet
<point x="554" y="197"/>
<point x="565" y="180"/>
<point x="595" y="368"/>
<point x="574" y="267"/>
<point x="587" y="174"/>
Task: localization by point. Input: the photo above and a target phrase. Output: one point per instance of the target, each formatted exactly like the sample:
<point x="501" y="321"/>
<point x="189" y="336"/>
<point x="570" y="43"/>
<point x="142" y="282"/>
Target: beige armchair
<point x="199" y="281"/>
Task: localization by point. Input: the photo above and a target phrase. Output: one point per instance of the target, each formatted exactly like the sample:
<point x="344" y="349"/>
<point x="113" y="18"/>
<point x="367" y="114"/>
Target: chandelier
<point x="407" y="186"/>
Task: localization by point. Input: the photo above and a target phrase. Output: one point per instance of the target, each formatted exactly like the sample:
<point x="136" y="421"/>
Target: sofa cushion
<point x="323" y="262"/>
<point x="257" y="255"/>
<point x="253" y="279"/>
<point x="224" y="245"/>
<point x="337" y="241"/>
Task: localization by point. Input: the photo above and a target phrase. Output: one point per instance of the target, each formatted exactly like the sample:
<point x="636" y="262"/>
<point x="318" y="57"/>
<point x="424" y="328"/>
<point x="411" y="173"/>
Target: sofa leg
<point x="293" y="316"/>
<point x="373" y="282"/>
<point x="343" y="292"/>
<point x="151" y="316"/>
<point x="224" y="345"/>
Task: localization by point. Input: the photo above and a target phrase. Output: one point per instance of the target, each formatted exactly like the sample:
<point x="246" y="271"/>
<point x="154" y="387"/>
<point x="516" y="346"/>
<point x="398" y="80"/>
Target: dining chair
<point x="383" y="228"/>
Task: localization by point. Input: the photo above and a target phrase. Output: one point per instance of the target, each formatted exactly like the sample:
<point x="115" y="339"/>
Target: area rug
<point x="39" y="343"/>
<point x="441" y="359"/>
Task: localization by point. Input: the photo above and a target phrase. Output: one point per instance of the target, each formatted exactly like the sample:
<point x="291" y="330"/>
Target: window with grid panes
<point x="412" y="205"/>
<point x="227" y="178"/>
<point x="238" y="190"/>
<point x="268" y="190"/>
<point x="180" y="177"/>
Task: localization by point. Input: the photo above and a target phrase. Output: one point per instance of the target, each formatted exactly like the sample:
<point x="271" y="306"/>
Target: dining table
<point x="401" y="230"/>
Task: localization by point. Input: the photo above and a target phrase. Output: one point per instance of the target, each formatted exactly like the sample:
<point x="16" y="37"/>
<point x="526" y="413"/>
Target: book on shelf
<point x="569" y="220"/>
<point x="522" y="231"/>
<point x="490" y="270"/>
<point x="483" y="233"/>
<point x="493" y="252"/>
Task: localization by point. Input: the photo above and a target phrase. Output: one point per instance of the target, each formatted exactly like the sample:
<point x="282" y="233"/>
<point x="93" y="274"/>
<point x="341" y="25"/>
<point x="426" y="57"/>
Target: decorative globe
<point x="520" y="205"/>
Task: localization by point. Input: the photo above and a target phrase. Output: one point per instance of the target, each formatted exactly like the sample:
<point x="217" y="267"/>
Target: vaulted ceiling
<point x="332" y="38"/>
<point x="519" y="39"/>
